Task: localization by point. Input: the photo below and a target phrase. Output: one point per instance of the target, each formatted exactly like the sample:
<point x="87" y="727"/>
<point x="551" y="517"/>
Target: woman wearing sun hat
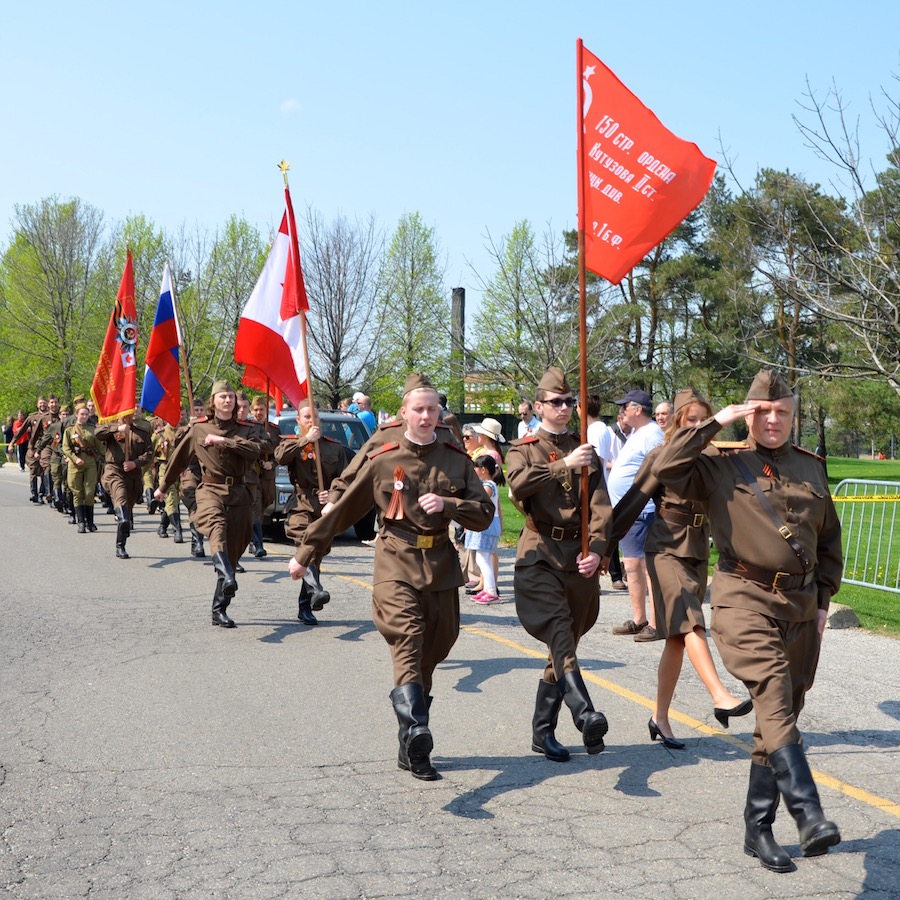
<point x="489" y="434"/>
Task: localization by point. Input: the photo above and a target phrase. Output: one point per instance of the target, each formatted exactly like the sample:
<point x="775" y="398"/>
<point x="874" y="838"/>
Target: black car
<point x="344" y="428"/>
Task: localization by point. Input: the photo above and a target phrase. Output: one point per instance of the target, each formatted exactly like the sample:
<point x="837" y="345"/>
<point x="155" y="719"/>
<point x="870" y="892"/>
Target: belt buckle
<point x="229" y="480"/>
<point x="699" y="519"/>
<point x="557" y="533"/>
<point x="424" y="541"/>
<point x="777" y="576"/>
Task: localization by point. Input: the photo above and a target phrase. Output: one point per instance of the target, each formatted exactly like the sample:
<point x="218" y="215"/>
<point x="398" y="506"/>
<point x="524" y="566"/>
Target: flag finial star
<point x="284" y="165"/>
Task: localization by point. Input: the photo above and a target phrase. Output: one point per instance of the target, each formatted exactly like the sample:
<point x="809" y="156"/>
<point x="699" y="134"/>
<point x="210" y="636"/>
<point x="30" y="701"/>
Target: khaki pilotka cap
<point x="221" y="387"/>
<point x="688" y="396"/>
<point x="554" y="381"/>
<point x="416" y="381"/>
<point x="769" y="385"/>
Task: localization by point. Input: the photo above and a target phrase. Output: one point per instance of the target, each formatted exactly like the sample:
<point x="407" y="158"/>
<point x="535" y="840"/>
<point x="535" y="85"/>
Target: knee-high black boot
<point x="416" y="743"/>
<point x="759" y="814"/>
<point x="543" y="725"/>
<point x="89" y="514"/>
<point x="81" y="519"/>
<point x="317" y="594"/>
<point x="34" y="491"/>
<point x="222" y="565"/>
<point x="123" y="529"/>
<point x="197" y="550"/>
<point x="163" y="528"/>
<point x="219" y="605"/>
<point x="175" y="519"/>
<point x="592" y="725"/>
<point x="259" y="551"/>
<point x="795" y="781"/>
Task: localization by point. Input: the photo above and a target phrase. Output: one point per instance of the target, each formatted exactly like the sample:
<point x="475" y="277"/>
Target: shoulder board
<point x="390" y="425"/>
<point x="391" y="445"/>
<point x="245" y="422"/>
<point x="201" y="419"/>
<point x="821" y="459"/>
<point x="730" y="445"/>
<point x="528" y="439"/>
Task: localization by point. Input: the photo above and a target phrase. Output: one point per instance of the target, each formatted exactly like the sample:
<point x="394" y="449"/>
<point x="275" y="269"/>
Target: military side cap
<point x="554" y="381"/>
<point x="79" y="398"/>
<point x="689" y="396"/>
<point x="416" y="381"/>
<point x="222" y="386"/>
<point x="769" y="385"/>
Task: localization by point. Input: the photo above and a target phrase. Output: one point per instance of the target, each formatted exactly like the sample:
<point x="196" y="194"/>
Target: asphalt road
<point x="145" y="753"/>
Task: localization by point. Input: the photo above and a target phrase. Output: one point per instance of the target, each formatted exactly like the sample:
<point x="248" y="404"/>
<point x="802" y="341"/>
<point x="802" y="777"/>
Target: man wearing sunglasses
<point x="637" y="409"/>
<point x="557" y="589"/>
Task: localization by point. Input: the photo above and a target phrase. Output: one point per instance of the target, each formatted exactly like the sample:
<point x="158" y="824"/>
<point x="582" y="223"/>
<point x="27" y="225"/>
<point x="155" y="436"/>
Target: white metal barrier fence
<point x="870" y="532"/>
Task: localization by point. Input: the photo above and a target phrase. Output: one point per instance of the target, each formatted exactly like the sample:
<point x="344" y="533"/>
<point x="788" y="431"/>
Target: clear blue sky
<point x="463" y="111"/>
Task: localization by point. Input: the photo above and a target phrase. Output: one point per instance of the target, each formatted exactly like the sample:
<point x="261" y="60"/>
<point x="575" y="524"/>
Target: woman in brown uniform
<point x="298" y="453"/>
<point x="677" y="552"/>
<point x="225" y="450"/>
<point x="82" y="450"/>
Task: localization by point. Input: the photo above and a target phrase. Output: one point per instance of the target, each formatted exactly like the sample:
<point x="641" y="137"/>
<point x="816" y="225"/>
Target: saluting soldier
<point x="557" y="589"/>
<point x="128" y="448"/>
<point x="224" y="448"/>
<point x="82" y="450"/>
<point x="780" y="561"/>
<point x="298" y="452"/>
<point x="419" y="484"/>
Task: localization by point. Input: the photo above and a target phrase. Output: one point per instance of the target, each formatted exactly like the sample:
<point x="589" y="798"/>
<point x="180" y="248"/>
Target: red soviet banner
<point x="636" y="180"/>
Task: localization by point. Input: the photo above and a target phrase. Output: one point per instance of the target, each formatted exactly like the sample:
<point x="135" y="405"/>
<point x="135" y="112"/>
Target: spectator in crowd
<point x="663" y="413"/>
<point x="449" y="420"/>
<point x="528" y="421"/>
<point x="364" y="411"/>
<point x="645" y="435"/>
<point x="21" y="434"/>
<point x="8" y="437"/>
<point x="489" y="437"/>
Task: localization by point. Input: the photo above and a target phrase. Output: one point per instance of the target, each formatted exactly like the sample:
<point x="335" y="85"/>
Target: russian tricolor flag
<point x="161" y="393"/>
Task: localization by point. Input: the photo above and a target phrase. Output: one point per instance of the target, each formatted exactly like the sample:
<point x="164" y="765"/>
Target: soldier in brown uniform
<point x="677" y="554"/>
<point x="780" y="562"/>
<point x="129" y="447"/>
<point x="83" y="451"/>
<point x="163" y="443"/>
<point x="188" y="482"/>
<point x="419" y="484"/>
<point x="252" y="478"/>
<point x="266" y="466"/>
<point x="299" y="454"/>
<point x="40" y="449"/>
<point x="224" y="448"/>
<point x="558" y="590"/>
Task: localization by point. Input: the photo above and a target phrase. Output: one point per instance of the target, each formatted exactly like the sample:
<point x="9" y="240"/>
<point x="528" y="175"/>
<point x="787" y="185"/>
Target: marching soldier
<point x="128" y="448"/>
<point x="47" y="413"/>
<point x="163" y="442"/>
<point x="558" y="590"/>
<point x="224" y="449"/>
<point x="253" y="477"/>
<point x="266" y="466"/>
<point x="299" y="453"/>
<point x="188" y="482"/>
<point x="780" y="562"/>
<point x="82" y="450"/>
<point x="419" y="484"/>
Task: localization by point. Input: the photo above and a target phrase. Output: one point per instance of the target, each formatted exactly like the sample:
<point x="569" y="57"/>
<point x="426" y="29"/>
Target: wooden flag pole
<point x="582" y="308"/>
<point x="285" y="166"/>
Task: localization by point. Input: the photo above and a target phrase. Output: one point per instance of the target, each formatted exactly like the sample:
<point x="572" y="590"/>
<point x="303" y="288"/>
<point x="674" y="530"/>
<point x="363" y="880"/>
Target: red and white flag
<point x="636" y="180"/>
<point x="270" y="332"/>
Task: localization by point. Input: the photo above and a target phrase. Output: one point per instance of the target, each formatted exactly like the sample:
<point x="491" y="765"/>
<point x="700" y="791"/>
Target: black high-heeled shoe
<point x="671" y="743"/>
<point x="740" y="710"/>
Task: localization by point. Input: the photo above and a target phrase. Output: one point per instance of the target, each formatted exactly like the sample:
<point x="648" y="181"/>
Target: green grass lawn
<point x="878" y="610"/>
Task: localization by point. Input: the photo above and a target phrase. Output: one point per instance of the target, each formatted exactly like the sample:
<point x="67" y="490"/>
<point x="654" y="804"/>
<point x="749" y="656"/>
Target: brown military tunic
<point x="80" y="444"/>
<point x="223" y="510"/>
<point x="556" y="604"/>
<point x="766" y="633"/>
<point x="267" y="475"/>
<point x="134" y="444"/>
<point x="299" y="455"/>
<point x="415" y="601"/>
<point x="677" y="549"/>
<point x="163" y="444"/>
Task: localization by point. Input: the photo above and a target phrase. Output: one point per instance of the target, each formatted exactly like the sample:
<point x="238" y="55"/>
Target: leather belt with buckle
<point x="554" y="532"/>
<point x="420" y="541"/>
<point x="229" y="480"/>
<point x="780" y="581"/>
<point x="681" y="517"/>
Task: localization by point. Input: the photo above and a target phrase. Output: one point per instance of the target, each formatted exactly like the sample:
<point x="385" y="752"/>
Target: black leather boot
<point x="543" y="725"/>
<point x="163" y="528"/>
<point x="222" y="565"/>
<point x="89" y="514"/>
<point x="34" y="491"/>
<point x="260" y="551"/>
<point x="759" y="814"/>
<point x="178" y="535"/>
<point x="70" y="508"/>
<point x="219" y="605"/>
<point x="592" y="725"/>
<point x="795" y="781"/>
<point x="416" y="742"/>
<point x="123" y="529"/>
<point x="197" y="550"/>
<point x="304" y="611"/>
<point x="317" y="594"/>
<point x="80" y="518"/>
